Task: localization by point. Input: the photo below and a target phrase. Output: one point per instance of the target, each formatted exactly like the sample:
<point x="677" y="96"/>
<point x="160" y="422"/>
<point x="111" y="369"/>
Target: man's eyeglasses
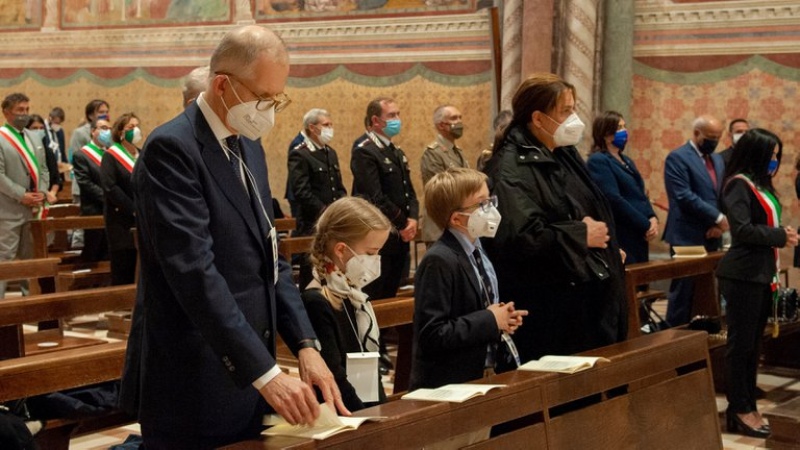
<point x="280" y="101"/>
<point x="484" y="204"/>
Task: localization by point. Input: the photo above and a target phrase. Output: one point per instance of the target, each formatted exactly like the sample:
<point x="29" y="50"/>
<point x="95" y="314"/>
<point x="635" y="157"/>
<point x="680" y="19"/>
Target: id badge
<point x="273" y="239"/>
<point x="362" y="373"/>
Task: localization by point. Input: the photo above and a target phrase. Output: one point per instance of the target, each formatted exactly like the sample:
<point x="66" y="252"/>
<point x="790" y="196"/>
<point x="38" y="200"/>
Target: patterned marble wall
<point x="728" y="58"/>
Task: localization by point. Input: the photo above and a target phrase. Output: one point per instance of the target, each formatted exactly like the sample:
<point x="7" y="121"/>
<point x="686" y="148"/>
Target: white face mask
<point x="55" y="127"/>
<point x="38" y="133"/>
<point x="737" y="136"/>
<point x="247" y="120"/>
<point x="569" y="132"/>
<point x="326" y="135"/>
<point x="483" y="223"/>
<point x="137" y="136"/>
<point x="362" y="270"/>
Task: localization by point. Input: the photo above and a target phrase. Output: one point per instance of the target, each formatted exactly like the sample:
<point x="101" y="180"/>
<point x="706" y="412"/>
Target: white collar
<point x="217" y="127"/>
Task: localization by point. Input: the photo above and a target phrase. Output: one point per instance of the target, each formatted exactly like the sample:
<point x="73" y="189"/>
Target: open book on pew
<point x="454" y="393"/>
<point x="327" y="424"/>
<point x="562" y="364"/>
<point x="689" y="251"/>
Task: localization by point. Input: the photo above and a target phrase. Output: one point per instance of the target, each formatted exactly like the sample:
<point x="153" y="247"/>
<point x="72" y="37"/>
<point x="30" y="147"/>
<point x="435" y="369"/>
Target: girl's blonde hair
<point x="347" y="220"/>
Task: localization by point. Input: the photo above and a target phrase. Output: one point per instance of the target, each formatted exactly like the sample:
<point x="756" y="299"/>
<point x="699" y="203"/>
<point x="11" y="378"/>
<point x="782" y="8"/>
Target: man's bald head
<point x="240" y="49"/>
<point x="710" y="126"/>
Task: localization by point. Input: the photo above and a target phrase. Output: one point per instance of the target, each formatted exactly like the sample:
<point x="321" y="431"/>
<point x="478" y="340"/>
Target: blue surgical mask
<point x="620" y="139"/>
<point x="772" y="167"/>
<point x="392" y="128"/>
<point x="105" y="138"/>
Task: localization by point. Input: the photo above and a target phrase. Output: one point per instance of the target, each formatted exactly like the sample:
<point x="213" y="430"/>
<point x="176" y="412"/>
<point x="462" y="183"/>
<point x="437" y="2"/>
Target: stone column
<point x="244" y="15"/>
<point x="579" y="45"/>
<point x="617" y="74"/>
<point x="512" y="51"/>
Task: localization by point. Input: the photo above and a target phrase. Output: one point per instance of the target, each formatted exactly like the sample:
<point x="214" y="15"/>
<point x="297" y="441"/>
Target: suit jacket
<point x="381" y="175"/>
<point x="119" y="206"/>
<point x="624" y="188"/>
<point x="315" y="180"/>
<point x="295" y="142"/>
<point x="208" y="304"/>
<point x="693" y="199"/>
<point x="15" y="179"/>
<point x="751" y="256"/>
<point x="51" y="140"/>
<point x="90" y="178"/>
<point x="452" y="327"/>
<point x="437" y="158"/>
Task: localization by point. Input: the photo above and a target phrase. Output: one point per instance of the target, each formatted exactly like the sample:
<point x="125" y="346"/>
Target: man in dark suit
<point x="86" y="166"/>
<point x="458" y="318"/>
<point x="693" y="175"/>
<point x="200" y="369"/>
<point x="315" y="178"/>
<point x="736" y="129"/>
<point x="381" y="175"/>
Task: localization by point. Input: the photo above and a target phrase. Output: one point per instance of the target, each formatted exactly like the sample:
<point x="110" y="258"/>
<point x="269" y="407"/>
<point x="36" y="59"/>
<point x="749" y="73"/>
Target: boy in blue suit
<point x="461" y="329"/>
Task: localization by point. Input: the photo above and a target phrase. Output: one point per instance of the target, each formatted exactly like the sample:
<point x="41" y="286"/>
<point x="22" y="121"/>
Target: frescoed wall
<point x="421" y="59"/>
<point x="729" y="59"/>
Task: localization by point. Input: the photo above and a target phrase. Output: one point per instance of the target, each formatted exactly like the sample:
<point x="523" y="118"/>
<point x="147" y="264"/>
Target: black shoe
<point x="736" y="425"/>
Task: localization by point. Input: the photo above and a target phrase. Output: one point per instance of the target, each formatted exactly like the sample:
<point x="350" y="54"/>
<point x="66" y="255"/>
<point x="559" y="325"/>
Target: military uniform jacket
<point x="438" y="157"/>
<point x="381" y="175"/>
<point x="315" y="179"/>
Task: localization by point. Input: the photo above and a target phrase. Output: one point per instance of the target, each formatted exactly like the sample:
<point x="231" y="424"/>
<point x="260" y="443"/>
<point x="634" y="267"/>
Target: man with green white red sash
<point x="24" y="179"/>
<point x="86" y="167"/>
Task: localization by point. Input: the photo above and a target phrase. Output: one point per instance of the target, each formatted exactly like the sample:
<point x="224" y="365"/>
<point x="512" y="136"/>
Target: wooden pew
<point x="74" y="274"/>
<point x="73" y="362"/>
<point x="706" y="298"/>
<point x="294" y="245"/>
<point x="655" y="392"/>
<point x="11" y="343"/>
<point x="285" y="225"/>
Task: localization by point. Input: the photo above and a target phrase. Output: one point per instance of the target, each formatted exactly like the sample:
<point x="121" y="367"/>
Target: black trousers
<point x="95" y="245"/>
<point x="748" y="306"/>
<point x="388" y="283"/>
<point x="123" y="266"/>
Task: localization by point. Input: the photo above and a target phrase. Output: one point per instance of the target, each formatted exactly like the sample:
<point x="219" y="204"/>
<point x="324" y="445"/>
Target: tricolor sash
<point x="773" y="210"/>
<point x="93" y="152"/>
<point x="121" y="154"/>
<point x="17" y="141"/>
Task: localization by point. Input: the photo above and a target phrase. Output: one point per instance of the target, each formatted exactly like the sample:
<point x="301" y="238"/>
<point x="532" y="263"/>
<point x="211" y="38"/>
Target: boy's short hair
<point x="446" y="191"/>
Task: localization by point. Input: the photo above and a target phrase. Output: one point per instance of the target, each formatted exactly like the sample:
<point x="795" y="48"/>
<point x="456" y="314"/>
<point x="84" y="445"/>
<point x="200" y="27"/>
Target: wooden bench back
<point x="294" y="245"/>
<point x="285" y="225"/>
<point x="40" y="228"/>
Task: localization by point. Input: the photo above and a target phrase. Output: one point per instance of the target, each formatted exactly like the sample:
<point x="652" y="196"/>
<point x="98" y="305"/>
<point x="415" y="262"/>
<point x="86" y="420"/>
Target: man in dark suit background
<point x="693" y="175"/>
<point x="381" y="175"/>
<point x="200" y="369"/>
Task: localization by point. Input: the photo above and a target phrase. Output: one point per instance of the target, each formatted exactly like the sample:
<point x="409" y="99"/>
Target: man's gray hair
<point x="438" y="114"/>
<point x="239" y="49"/>
<point x="195" y="83"/>
<point x="312" y="117"/>
<point x="700" y="123"/>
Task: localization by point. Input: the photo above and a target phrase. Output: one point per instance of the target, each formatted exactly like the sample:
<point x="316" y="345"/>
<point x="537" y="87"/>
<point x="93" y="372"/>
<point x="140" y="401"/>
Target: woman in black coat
<point x="116" y="168"/>
<point x="748" y="273"/>
<point x="616" y="175"/>
<point x="553" y="253"/>
<point x="348" y="237"/>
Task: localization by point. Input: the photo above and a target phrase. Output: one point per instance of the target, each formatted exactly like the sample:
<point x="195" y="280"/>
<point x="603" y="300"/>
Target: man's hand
<point x="32" y="198"/>
<point x="596" y="233"/>
<point x="714" y="232"/>
<point x="408" y="233"/>
<point x="652" y="232"/>
<point x="51" y="197"/>
<point x="508" y="319"/>
<point x="791" y="237"/>
<point x="723" y="225"/>
<point x="623" y="255"/>
<point x="292" y="399"/>
<point x="314" y="371"/>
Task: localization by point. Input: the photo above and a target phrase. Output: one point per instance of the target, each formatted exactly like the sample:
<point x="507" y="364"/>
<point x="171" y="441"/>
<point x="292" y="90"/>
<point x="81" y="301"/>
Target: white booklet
<point x="562" y="364"/>
<point x="689" y="251"/>
<point x="455" y="393"/>
<point x="326" y="425"/>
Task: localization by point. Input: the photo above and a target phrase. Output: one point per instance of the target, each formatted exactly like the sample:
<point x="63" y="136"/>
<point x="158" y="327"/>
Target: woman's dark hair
<point x="119" y="125"/>
<point x="751" y="156"/>
<point x="539" y="92"/>
<point x="33" y="119"/>
<point x="606" y="124"/>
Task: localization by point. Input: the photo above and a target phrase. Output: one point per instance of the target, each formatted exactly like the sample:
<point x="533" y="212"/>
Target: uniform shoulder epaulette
<point x="433" y="145"/>
<point x="300" y="146"/>
<point x="364" y="142"/>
